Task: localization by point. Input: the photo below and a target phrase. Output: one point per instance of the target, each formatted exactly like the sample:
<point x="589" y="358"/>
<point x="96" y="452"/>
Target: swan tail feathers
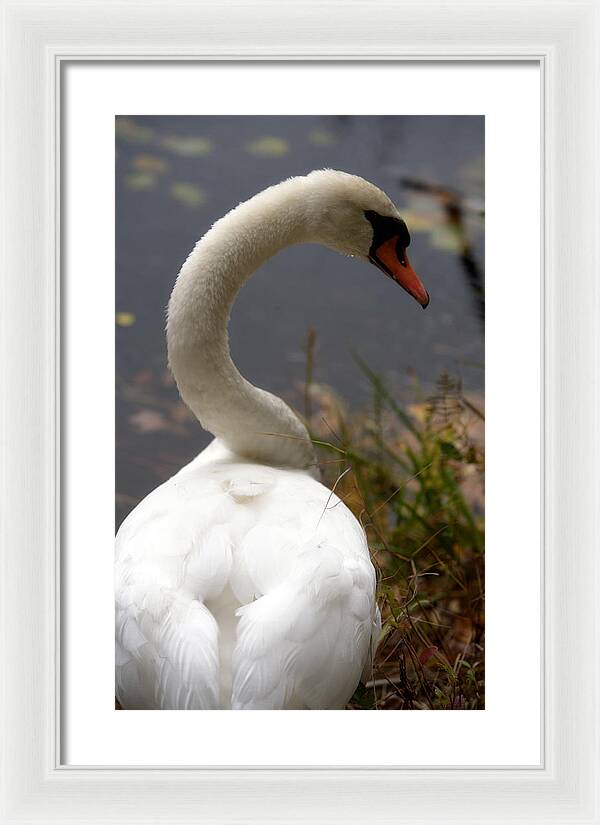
<point x="304" y="643"/>
<point x="167" y="659"/>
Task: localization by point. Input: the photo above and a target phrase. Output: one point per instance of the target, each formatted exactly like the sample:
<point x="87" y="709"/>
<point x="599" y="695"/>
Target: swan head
<point x="356" y="218"/>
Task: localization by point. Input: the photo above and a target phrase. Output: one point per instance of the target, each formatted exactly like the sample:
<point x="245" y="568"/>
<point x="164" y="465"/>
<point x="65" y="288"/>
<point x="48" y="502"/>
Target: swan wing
<point x="167" y="659"/>
<point x="169" y="560"/>
<point x="305" y="641"/>
<point x="242" y="586"/>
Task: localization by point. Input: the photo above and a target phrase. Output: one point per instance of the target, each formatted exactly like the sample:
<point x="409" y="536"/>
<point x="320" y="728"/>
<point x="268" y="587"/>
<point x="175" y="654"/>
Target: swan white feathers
<point x="242" y="582"/>
<point x="230" y="594"/>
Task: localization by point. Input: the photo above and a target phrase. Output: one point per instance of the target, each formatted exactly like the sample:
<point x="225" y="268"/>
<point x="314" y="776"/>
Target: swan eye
<point x="401" y="252"/>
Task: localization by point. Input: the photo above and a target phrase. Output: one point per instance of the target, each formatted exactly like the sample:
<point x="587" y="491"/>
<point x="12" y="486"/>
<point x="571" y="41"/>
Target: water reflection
<point x="176" y="175"/>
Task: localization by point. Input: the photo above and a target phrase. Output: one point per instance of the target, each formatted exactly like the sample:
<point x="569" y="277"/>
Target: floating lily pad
<point x="268" y="147"/>
<point x="187" y="193"/>
<point x="191" y="147"/>
<point x="125" y="319"/>
<point x="126" y="128"/>
<point x="319" y="137"/>
<point x="139" y="181"/>
<point x="151" y="164"/>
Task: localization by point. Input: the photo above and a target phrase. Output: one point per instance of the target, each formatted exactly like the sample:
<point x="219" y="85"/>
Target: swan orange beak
<point x="393" y="261"/>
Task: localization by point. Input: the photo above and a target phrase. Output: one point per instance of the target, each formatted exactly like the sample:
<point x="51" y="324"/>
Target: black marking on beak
<point x="385" y="228"/>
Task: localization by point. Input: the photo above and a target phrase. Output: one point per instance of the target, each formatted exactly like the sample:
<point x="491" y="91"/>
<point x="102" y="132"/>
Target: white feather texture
<point x="243" y="582"/>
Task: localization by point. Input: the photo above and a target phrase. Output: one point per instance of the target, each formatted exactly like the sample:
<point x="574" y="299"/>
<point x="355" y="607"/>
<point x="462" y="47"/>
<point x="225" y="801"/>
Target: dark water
<point x="176" y="175"/>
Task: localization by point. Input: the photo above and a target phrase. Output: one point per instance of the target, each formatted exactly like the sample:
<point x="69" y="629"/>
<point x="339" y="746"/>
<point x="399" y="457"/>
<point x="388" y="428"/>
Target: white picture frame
<point x="564" y="38"/>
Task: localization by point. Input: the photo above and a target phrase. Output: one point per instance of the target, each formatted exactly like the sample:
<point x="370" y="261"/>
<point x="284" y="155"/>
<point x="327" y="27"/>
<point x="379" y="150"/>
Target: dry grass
<point x="413" y="475"/>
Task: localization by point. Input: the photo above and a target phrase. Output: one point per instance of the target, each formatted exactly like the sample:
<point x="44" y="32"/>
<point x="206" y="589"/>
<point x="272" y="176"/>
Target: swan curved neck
<point x="251" y="422"/>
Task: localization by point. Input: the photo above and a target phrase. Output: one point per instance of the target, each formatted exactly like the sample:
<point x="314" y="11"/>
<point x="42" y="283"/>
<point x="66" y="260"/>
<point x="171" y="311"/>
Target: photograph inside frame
<point x="299" y="442"/>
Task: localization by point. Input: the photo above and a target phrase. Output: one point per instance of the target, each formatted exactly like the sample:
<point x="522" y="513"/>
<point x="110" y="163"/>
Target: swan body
<point x="245" y="583"/>
<point x="242" y="582"/>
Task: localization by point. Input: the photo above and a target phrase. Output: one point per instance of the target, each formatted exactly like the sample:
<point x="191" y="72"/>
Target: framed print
<point x="148" y="140"/>
<point x="463" y="625"/>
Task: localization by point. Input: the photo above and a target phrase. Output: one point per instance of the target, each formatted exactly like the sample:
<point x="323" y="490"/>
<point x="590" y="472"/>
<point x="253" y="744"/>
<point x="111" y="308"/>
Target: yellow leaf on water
<point x="188" y="193"/>
<point x="128" y="129"/>
<point x="140" y="181"/>
<point x="268" y="147"/>
<point x="125" y="319"/>
<point x="322" y="138"/>
<point x="149" y="164"/>
<point x="191" y="147"/>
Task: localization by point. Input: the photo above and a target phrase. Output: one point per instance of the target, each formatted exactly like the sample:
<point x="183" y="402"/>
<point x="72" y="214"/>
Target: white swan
<point x="242" y="582"/>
